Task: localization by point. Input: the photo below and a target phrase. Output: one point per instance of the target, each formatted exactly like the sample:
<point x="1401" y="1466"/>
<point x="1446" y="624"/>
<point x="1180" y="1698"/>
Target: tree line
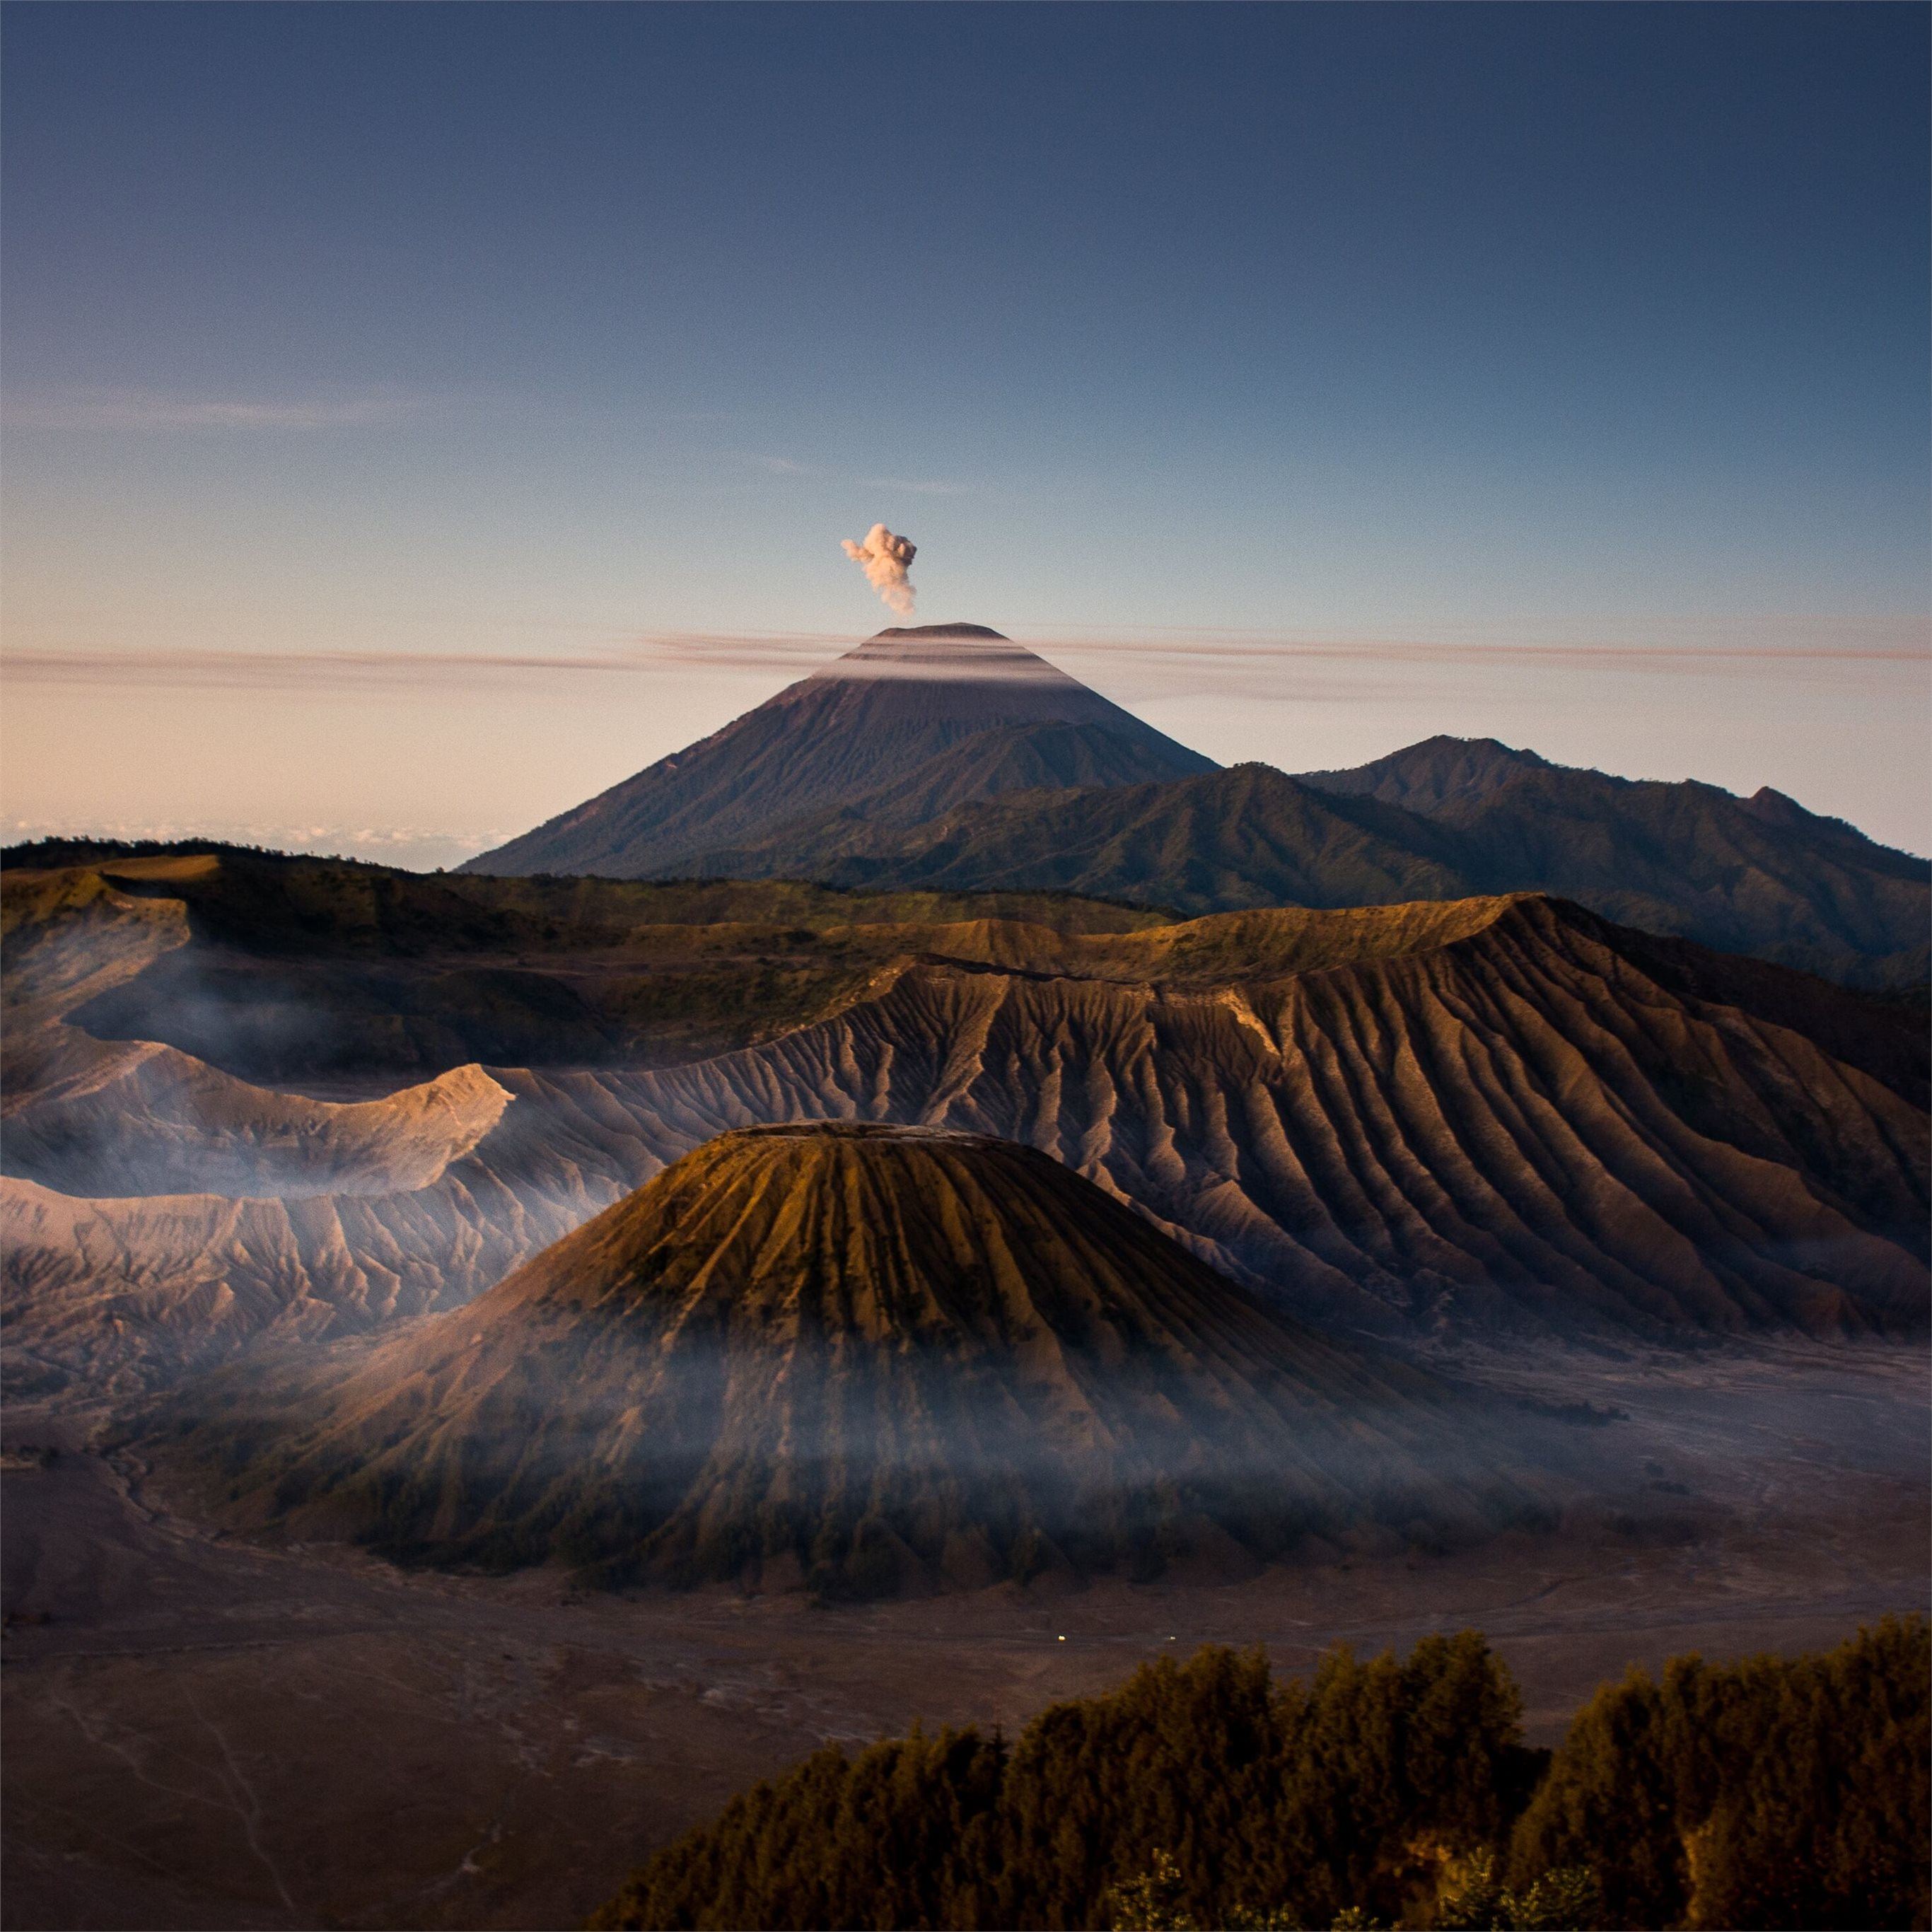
<point x="1773" y="1792"/>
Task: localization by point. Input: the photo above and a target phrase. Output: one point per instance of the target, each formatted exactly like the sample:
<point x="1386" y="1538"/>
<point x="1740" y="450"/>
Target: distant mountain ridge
<point x="1743" y="875"/>
<point x="869" y="719"/>
<point x="1759" y="874"/>
<point x="1443" y="777"/>
<point x="949" y="756"/>
<point x="1437" y="771"/>
<point x="1220" y="842"/>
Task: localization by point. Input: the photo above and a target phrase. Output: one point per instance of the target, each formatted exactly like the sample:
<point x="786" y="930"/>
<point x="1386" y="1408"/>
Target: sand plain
<point x="205" y="1732"/>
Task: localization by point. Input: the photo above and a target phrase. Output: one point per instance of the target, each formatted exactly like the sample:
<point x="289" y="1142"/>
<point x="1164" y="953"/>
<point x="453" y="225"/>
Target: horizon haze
<point x="1310" y="381"/>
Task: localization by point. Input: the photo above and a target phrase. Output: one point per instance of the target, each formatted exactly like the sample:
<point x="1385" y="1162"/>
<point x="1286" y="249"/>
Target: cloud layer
<point x="1182" y="662"/>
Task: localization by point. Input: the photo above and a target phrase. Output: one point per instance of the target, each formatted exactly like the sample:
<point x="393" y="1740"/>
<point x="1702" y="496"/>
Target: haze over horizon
<point x="1310" y="381"/>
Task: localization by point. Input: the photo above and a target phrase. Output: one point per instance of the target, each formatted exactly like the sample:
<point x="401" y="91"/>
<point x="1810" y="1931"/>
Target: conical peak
<point x="907" y="631"/>
<point x="886" y="1357"/>
<point x="899" y="703"/>
<point x="958" y="654"/>
<point x="814" y="1151"/>
<point x="841" y="1205"/>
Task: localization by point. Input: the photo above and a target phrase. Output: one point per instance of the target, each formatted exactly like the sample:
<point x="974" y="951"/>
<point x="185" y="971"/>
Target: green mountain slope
<point x="303" y="968"/>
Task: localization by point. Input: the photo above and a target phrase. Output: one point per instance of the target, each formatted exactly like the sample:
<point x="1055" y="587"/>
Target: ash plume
<point x="885" y="559"/>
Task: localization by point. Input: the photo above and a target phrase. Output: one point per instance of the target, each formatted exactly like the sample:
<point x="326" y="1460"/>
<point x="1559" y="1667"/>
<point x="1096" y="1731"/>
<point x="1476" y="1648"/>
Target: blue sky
<point x="432" y="335"/>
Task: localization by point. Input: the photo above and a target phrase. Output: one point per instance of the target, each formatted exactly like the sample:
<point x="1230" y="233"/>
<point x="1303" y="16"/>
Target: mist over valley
<point x="1250" y="1248"/>
<point x="924" y="1230"/>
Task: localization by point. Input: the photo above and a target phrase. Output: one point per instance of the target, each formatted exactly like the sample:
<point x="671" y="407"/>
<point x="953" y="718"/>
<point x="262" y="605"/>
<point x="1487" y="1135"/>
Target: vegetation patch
<point x="1772" y="1792"/>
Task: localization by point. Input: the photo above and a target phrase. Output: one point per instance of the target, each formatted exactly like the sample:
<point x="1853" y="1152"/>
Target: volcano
<point x="873" y="719"/>
<point x="868" y="1358"/>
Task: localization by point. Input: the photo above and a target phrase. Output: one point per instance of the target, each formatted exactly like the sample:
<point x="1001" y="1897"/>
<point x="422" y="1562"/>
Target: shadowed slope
<point x="870" y="1357"/>
<point x="870" y="719"/>
<point x="1044" y="758"/>
<point x="1758" y="874"/>
<point x="1425" y="777"/>
<point x="1247" y="836"/>
<point x="1446" y="820"/>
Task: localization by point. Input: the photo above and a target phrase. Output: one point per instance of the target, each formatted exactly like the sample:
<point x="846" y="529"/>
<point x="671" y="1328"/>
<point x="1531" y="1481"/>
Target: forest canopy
<point x="1771" y="1793"/>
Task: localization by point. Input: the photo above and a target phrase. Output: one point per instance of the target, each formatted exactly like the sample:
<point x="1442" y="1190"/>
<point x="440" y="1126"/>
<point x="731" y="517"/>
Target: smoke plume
<point x="885" y="559"/>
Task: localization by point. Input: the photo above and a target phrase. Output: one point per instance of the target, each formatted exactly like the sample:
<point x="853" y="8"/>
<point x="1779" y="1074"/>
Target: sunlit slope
<point x="1542" y="1120"/>
<point x="860" y="1357"/>
<point x="68" y="934"/>
<point x="1501" y="1113"/>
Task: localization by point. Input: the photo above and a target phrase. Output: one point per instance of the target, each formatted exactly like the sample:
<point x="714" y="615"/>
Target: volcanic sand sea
<point x="210" y="1734"/>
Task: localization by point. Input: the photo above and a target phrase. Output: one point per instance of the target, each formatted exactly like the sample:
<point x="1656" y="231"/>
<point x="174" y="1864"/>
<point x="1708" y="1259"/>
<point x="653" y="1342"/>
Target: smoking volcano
<point x="945" y="709"/>
<point x="865" y="1358"/>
